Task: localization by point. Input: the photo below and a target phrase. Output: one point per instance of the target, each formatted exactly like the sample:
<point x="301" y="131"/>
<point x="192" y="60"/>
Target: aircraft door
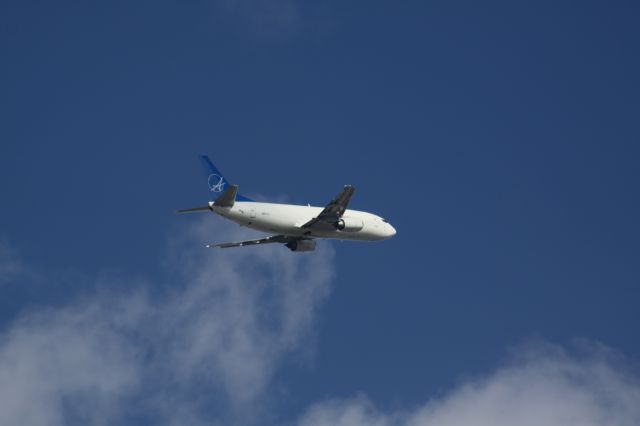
<point x="252" y="213"/>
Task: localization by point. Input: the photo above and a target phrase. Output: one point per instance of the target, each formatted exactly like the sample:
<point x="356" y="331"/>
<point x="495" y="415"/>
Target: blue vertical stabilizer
<point x="216" y="181"/>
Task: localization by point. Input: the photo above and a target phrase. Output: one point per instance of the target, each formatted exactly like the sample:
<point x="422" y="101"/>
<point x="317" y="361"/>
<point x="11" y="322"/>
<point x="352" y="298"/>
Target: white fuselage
<point x="287" y="219"/>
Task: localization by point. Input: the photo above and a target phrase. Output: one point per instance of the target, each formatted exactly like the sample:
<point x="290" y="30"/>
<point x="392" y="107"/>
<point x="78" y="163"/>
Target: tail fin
<point x="216" y="180"/>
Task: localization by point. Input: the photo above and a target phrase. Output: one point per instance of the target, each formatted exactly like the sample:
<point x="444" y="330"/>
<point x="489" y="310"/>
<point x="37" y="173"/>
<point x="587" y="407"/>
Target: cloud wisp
<point x="200" y="349"/>
<point x="11" y="267"/>
<point x="265" y="17"/>
<point x="542" y="385"/>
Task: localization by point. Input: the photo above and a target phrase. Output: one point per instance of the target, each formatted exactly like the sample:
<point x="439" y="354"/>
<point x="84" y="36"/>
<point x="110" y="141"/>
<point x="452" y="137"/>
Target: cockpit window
<point x="384" y="220"/>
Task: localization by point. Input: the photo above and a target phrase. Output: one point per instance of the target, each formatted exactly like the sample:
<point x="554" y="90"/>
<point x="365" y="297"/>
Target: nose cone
<point x="391" y="231"/>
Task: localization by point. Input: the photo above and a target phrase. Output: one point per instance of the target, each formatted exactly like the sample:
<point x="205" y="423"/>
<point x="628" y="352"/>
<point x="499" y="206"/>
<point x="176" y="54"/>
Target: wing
<point x="334" y="210"/>
<point x="272" y="239"/>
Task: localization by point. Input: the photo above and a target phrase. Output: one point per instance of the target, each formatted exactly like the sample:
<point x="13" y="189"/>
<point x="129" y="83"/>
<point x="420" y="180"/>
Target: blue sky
<point x="501" y="141"/>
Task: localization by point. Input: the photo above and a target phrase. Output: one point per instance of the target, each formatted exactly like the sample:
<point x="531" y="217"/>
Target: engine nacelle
<point x="349" y="224"/>
<point x="301" y="245"/>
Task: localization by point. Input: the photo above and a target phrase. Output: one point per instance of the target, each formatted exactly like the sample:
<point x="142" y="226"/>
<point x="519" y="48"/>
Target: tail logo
<point x="216" y="183"/>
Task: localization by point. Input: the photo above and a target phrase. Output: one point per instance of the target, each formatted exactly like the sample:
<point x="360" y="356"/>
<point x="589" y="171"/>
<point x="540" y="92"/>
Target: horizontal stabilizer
<point x="195" y="209"/>
<point x="228" y="197"/>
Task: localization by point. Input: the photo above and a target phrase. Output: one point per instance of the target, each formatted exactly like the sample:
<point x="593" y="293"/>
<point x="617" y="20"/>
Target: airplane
<point x="295" y="226"/>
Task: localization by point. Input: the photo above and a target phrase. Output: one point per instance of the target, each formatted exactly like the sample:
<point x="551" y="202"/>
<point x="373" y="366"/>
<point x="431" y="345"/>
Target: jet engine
<point x="301" y="245"/>
<point x="349" y="224"/>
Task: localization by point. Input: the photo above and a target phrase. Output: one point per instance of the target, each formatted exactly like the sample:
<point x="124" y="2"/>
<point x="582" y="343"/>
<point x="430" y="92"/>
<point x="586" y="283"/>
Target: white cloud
<point x="350" y="412"/>
<point x="204" y="346"/>
<point x="542" y="385"/>
<point x="70" y="361"/>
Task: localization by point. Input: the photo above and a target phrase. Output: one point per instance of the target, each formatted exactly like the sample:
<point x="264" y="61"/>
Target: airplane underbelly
<point x="275" y="225"/>
<point x="260" y="219"/>
<point x="367" y="233"/>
